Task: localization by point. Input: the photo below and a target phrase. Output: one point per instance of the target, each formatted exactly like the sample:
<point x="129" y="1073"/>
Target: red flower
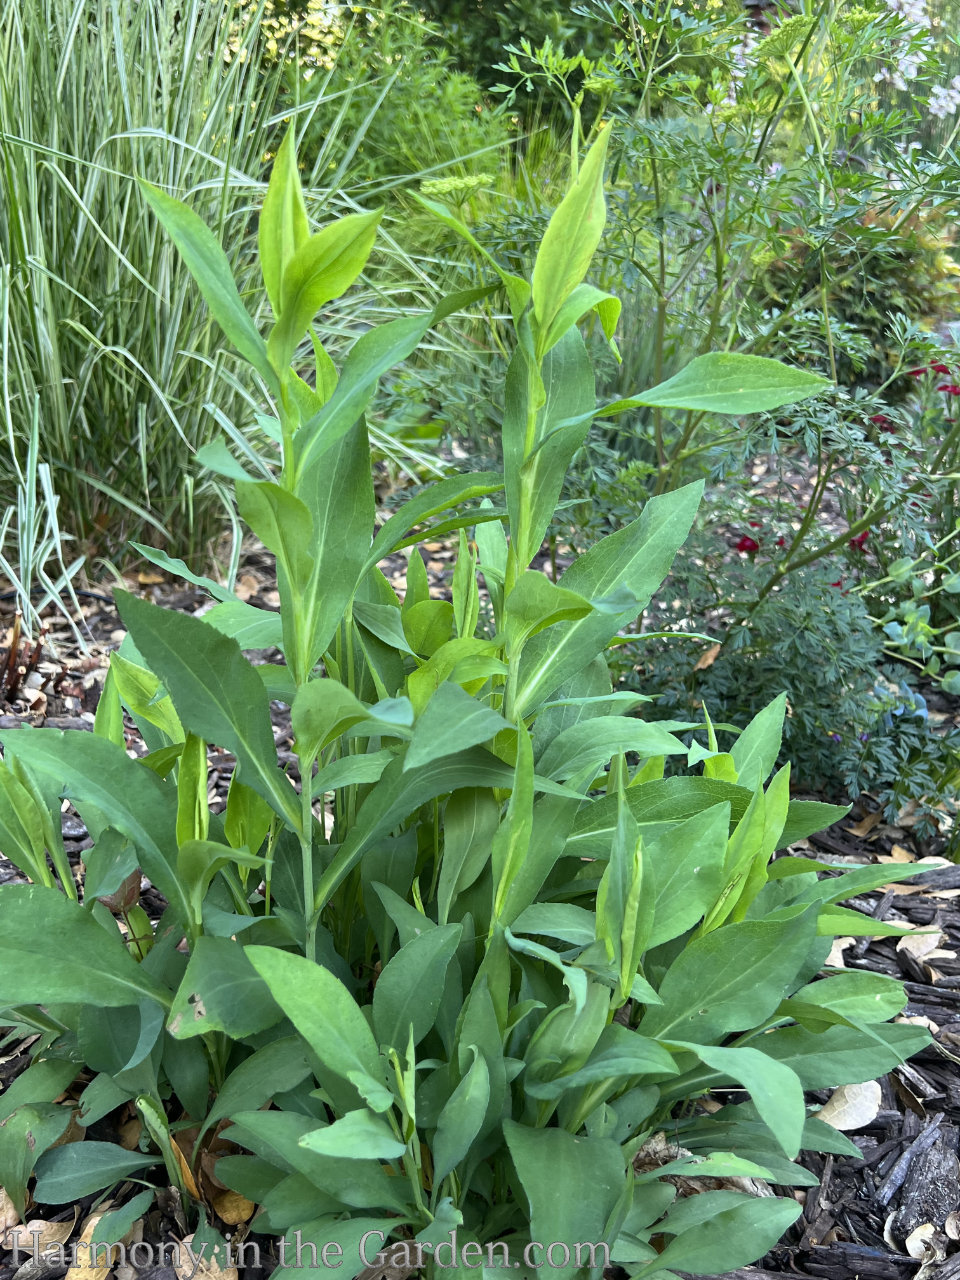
<point x="857" y="542"/>
<point x="838" y="583"/>
<point x="950" y="388"/>
<point x="884" y="423"/>
<point x="748" y="544"/>
<point x="928" y="368"/>
<point x="755" y="524"/>
<point x="781" y="542"/>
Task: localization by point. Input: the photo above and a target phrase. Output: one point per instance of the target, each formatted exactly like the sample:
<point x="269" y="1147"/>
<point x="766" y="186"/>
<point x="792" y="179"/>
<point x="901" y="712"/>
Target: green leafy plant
<point x="484" y="952"/>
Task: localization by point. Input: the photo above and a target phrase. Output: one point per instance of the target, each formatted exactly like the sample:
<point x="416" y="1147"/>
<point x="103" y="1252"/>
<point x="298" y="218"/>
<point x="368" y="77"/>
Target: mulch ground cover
<point x="892" y="1213"/>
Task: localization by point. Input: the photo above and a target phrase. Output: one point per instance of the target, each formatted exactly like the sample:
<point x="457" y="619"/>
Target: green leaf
<point x="283" y="219"/>
<point x="361" y="1184"/>
<point x="322" y="710"/>
<point x="637" y="557"/>
<point x="24" y="1136"/>
<point x="585" y="298"/>
<point x="252" y="628"/>
<point x="385" y="622"/>
<point x="327" y="1016"/>
<point x="247" y="817"/>
<point x="515" y="287"/>
<point x="452" y="722"/>
<point x="437" y="497"/>
<point x="619" y="1055"/>
<point x="216" y="457"/>
<point x="535" y="470"/>
<point x="843" y="1055"/>
<point x="836" y="922"/>
<point x="470" y="821"/>
<point x="717" y="1231"/>
<point x="323" y="267"/>
<point x="371" y="356"/>
<point x="625" y="901"/>
<point x="570" y="240"/>
<point x="88" y="965"/>
<point x="725" y="382"/>
<point x="179" y="569"/>
<point x="43" y="1081"/>
<point x="79" y="1169"/>
<point x="198" y="861"/>
<point x="208" y="265"/>
<point x="774" y="1088"/>
<point x="755" y="751"/>
<point x="145" y="697"/>
<point x="511" y="844"/>
<point x="282" y="523"/>
<point x="21" y="828"/>
<point x="276" y="1068"/>
<point x="221" y="991"/>
<point x="352" y="1243"/>
<point x="217" y="693"/>
<point x="587" y="746"/>
<point x="409" y="990"/>
<point x="687" y="860"/>
<point x="428" y="626"/>
<point x="560" y="920"/>
<point x="461" y="1118"/>
<point x="115" y="1224"/>
<point x="804" y="817"/>
<point x="571" y="1185"/>
<point x="858" y="997"/>
<point x="108" y="788"/>
<point x="657" y="806"/>
<point x="399" y="793"/>
<point x="358" y="1135"/>
<point x="108" y="718"/>
<point x="352" y="770"/>
<point x="553" y="817"/>
<point x="730" y="979"/>
<point x="535" y="603"/>
<point x="121" y="1039"/>
<point x="193" y="809"/>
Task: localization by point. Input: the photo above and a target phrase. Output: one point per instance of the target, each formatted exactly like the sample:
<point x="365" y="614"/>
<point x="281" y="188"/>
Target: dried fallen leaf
<point x="233" y="1208"/>
<point x="852" y="1106"/>
<point x="919" y="1021"/>
<point x="866" y="825"/>
<point x="888" y="1233"/>
<point x="150" y="578"/>
<point x="48" y="1234"/>
<point x="920" y="1241"/>
<point x="246" y="586"/>
<point x="921" y="946"/>
<point x="74" y="1132"/>
<point x="186" y="1173"/>
<point x="952" y="1225"/>
<point x="834" y="959"/>
<point x="707" y="658"/>
<point x="91" y="1266"/>
<point x="899" y="854"/>
<point x="9" y="1218"/>
<point x="130" y="1132"/>
<point x="204" y="1267"/>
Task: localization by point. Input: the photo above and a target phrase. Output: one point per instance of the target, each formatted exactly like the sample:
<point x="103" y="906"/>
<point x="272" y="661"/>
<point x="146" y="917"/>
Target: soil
<point x="893" y="1213"/>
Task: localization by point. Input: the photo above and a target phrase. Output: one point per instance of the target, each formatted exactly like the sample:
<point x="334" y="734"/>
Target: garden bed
<point x="864" y="1214"/>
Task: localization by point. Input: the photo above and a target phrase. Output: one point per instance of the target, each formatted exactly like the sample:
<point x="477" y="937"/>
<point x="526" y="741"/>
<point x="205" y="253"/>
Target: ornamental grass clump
<point x="460" y="967"/>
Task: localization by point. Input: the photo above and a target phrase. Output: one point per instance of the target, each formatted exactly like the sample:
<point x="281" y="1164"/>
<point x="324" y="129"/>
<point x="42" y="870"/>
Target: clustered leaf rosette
<point x="458" y="964"/>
